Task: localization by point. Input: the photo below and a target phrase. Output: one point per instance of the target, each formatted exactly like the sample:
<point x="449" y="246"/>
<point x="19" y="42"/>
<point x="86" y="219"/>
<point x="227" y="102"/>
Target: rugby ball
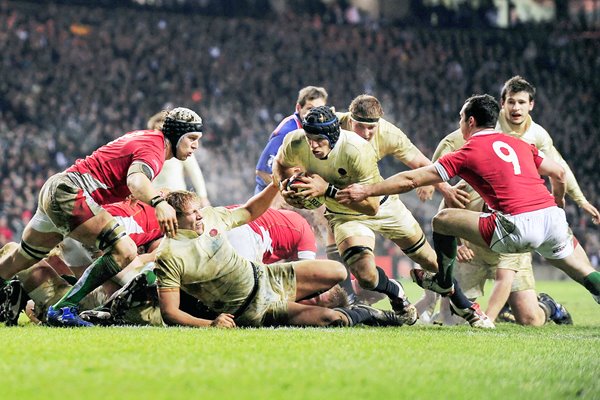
<point x="310" y="203"/>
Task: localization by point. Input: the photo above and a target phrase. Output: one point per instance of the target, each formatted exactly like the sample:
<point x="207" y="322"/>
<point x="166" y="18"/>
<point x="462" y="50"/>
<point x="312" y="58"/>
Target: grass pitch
<point x="419" y="362"/>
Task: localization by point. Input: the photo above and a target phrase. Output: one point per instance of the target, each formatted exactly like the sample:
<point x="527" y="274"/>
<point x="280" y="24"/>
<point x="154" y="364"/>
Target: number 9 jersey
<point x="502" y="169"/>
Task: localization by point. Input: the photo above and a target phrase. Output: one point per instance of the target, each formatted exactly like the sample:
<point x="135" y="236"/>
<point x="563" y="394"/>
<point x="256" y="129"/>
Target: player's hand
<point x="223" y="321"/>
<point x="464" y="254"/>
<point x="425" y="193"/>
<point x="167" y="218"/>
<point x="290" y="196"/>
<point x="456" y="196"/>
<point x="311" y="186"/>
<point x="593" y="211"/>
<point x="352" y="193"/>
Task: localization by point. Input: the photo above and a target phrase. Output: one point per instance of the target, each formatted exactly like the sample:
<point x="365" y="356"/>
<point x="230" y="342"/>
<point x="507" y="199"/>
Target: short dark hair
<point x="517" y="84"/>
<point x="484" y="108"/>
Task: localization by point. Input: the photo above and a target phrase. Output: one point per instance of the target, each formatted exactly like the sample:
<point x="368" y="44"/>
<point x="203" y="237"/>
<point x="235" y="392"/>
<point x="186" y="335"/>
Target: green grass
<point x="420" y="362"/>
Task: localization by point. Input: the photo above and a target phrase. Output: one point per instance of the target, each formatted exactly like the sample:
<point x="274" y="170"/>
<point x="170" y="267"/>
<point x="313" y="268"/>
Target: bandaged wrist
<point x="156" y="200"/>
<point x="331" y="191"/>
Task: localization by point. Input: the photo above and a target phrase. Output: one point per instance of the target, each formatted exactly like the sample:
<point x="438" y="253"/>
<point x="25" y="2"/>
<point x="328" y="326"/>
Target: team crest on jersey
<point x="213" y="232"/>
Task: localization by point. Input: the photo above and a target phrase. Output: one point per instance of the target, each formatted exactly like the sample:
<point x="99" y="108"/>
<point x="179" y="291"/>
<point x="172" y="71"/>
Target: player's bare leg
<point x="317" y="276"/>
<point x="34" y="246"/>
<point x="579" y="268"/>
<point x="358" y="254"/>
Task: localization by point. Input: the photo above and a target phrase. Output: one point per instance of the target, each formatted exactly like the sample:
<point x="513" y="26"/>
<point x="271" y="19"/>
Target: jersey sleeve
<point x="231" y="218"/>
<point x="450" y="165"/>
<point x="396" y="142"/>
<point x="265" y="161"/>
<point x="288" y="152"/>
<point x="149" y="152"/>
<point x="448" y="144"/>
<point x="538" y="156"/>
<point x="168" y="271"/>
<point x="546" y="145"/>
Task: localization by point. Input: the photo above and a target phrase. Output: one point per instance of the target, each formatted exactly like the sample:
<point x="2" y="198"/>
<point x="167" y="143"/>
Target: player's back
<point x="503" y="169"/>
<point x="104" y="172"/>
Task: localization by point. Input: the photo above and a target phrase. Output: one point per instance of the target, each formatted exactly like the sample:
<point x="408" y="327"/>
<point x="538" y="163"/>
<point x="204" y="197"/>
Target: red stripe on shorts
<point x="487" y="225"/>
<point x="81" y="211"/>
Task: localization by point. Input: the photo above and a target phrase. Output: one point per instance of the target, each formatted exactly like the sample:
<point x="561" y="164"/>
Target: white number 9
<point x="511" y="157"/>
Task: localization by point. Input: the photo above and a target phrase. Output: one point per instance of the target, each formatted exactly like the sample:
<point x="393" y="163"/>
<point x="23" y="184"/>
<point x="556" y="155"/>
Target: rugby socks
<point x="346" y="284"/>
<point x="355" y="315"/>
<point x="101" y="270"/>
<point x="458" y="298"/>
<point x="445" y="248"/>
<point x="592" y="283"/>
<point x="387" y="286"/>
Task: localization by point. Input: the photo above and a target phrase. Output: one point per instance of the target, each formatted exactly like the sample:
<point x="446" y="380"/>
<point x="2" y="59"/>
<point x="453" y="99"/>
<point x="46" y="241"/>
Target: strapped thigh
<point x="33" y="252"/>
<point x="110" y="234"/>
<point x="354" y="253"/>
<point x="417" y="247"/>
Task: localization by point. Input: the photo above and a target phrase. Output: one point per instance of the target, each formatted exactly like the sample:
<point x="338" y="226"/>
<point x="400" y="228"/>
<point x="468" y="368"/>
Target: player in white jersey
<point x="335" y="158"/>
<point x="200" y="261"/>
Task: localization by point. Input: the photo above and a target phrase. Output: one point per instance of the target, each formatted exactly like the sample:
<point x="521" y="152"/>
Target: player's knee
<point x="440" y="220"/>
<point x="110" y="235"/>
<point x="124" y="251"/>
<point x="529" y="320"/>
<point x="361" y="261"/>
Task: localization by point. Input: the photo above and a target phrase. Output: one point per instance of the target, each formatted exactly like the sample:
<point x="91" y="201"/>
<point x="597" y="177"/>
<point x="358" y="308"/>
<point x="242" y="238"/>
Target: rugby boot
<point x="130" y="295"/>
<point x="474" y="316"/>
<point x="406" y="312"/>
<point x="66" y="317"/>
<point x="381" y="317"/>
<point x="14" y="301"/>
<point x="426" y="280"/>
<point x="556" y="312"/>
<point x="506" y="315"/>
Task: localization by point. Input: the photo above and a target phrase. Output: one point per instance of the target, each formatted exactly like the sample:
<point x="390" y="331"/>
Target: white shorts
<point x="545" y="231"/>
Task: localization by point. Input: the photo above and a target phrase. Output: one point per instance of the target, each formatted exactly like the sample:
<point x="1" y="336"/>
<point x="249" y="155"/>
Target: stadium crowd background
<point x="73" y="78"/>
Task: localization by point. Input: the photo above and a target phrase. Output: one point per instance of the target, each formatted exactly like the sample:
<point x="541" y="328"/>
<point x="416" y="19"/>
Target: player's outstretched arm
<point x="453" y="197"/>
<point x="259" y="203"/>
<point x="400" y="183"/>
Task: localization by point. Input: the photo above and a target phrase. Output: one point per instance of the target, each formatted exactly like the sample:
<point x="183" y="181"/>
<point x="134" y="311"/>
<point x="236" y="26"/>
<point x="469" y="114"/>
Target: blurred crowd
<point x="73" y="78"/>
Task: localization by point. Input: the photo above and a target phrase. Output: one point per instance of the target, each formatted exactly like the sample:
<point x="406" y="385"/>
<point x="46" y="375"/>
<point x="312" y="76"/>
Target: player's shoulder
<point x="538" y="130"/>
<point x="453" y="137"/>
<point x="287" y="125"/>
<point x="353" y="143"/>
<point x="387" y="128"/>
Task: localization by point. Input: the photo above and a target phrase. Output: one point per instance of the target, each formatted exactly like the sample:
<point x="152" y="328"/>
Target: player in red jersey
<point x="70" y="205"/>
<point x="277" y="235"/>
<point x="505" y="171"/>
<point x="48" y="280"/>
